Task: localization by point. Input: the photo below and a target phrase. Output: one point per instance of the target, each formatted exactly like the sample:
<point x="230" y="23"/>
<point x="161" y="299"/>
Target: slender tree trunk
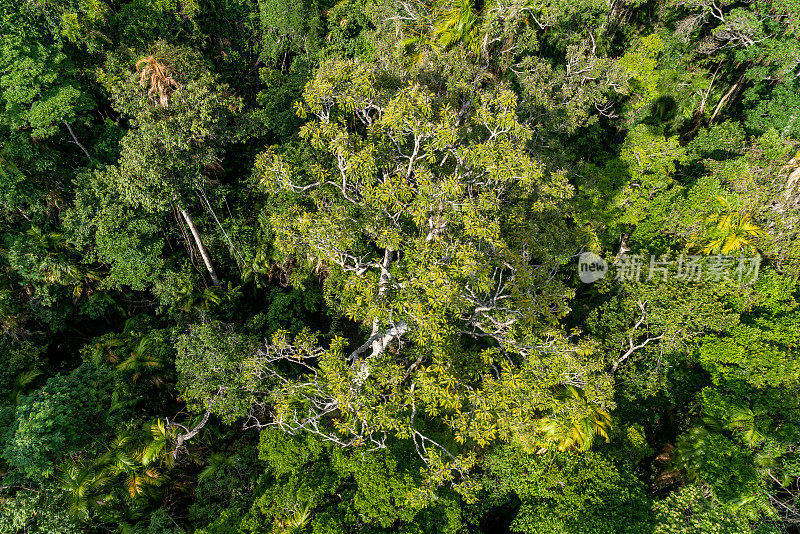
<point x="200" y="246"/>
<point x="75" y="140"/>
<point x="733" y="92"/>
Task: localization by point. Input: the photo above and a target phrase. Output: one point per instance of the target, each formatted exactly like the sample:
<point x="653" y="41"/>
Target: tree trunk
<point x="200" y="246"/>
<point x="75" y="140"/>
<point x="733" y="92"/>
<point x="188" y="434"/>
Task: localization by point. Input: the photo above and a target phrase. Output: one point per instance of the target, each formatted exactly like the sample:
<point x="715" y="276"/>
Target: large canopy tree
<point x="435" y="230"/>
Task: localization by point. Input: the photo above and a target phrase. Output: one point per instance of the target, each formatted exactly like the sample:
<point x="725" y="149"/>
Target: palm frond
<point x="158" y="76"/>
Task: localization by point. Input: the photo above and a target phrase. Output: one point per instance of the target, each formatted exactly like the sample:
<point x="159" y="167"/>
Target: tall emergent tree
<point x="438" y="233"/>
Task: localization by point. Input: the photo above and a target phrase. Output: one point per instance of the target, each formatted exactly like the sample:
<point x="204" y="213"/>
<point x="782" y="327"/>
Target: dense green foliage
<point x="315" y="266"/>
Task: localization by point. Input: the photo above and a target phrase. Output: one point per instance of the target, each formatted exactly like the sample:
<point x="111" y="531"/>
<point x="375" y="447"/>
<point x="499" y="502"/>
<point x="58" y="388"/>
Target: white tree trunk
<point x="200" y="246"/>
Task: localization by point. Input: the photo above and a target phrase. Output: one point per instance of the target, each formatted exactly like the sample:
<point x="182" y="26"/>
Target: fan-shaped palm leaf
<point x="564" y="433"/>
<point x="743" y="422"/>
<point x="81" y="486"/>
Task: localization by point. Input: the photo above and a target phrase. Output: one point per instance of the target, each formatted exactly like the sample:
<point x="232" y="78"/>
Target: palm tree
<point x="139" y="480"/>
<point x="122" y="461"/>
<point x="156" y="74"/>
<point x="728" y="229"/>
<point x="82" y="485"/>
<point x="580" y="432"/>
<point x="742" y="421"/>
<point x="108" y="349"/>
<point x="458" y="23"/>
<point x="694" y="446"/>
<point x="576" y="432"/>
<point x="295" y="523"/>
<point x="455" y="22"/>
<point x="158" y="450"/>
<point x="53" y="255"/>
<point x="193" y="300"/>
<point x="146" y="358"/>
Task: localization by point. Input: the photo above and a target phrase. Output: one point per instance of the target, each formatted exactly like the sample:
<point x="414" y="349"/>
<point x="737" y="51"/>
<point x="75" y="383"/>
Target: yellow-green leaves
<point x="497" y="113"/>
<point x="345" y="84"/>
<point x="425" y="218"/>
<point x="728" y="229"/>
<point x="640" y="64"/>
<point x="651" y="159"/>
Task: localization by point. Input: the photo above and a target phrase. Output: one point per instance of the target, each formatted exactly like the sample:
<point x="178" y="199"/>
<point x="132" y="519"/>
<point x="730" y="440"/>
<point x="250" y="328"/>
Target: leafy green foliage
<point x="58" y="420"/>
<point x="173" y="147"/>
<point x="37" y="86"/>
<point x="213" y="370"/>
<point x="689" y="511"/>
<point x="567" y="492"/>
<point x="308" y="482"/>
